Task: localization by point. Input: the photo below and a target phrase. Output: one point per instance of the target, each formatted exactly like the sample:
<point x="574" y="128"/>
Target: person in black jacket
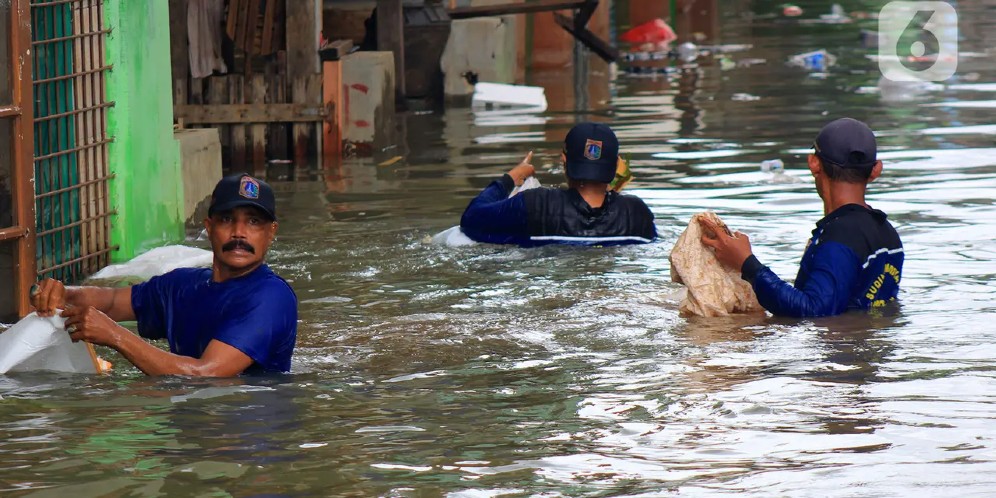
<point x="587" y="212"/>
<point x="854" y="259"/>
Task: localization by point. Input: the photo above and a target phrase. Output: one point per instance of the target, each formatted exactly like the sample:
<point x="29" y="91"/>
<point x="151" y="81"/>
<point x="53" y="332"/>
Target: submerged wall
<point x="147" y="191"/>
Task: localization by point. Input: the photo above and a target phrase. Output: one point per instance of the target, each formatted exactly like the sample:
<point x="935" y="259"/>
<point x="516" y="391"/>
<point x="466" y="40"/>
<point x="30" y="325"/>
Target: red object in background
<point x="656" y="31"/>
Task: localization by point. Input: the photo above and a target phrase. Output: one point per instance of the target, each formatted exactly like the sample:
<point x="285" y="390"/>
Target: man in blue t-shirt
<point x="854" y="259"/>
<point x="237" y="316"/>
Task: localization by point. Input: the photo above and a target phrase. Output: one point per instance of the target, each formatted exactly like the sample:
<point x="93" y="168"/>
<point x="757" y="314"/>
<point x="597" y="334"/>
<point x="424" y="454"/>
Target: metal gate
<point x="17" y="253"/>
<point x="70" y="138"/>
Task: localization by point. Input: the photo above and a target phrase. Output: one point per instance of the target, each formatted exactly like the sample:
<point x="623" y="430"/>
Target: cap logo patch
<point x="593" y="149"/>
<point x="249" y="188"/>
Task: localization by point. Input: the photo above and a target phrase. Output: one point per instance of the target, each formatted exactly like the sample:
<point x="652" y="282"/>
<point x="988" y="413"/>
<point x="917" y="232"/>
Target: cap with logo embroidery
<point x="847" y="143"/>
<point x="241" y="189"/>
<point x="592" y="152"/>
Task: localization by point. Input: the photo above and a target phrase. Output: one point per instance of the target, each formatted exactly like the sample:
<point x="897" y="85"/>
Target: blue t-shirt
<point x="255" y="313"/>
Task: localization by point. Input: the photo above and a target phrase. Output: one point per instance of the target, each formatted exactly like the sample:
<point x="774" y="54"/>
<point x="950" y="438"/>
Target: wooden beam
<point x="266" y="47"/>
<point x="516" y="8"/>
<point x="22" y="164"/>
<point x="335" y="50"/>
<point x="332" y="100"/>
<point x="10" y="110"/>
<point x="303" y="69"/>
<point x="607" y="52"/>
<point x="12" y="233"/>
<point x="249" y="113"/>
<point x="257" y="132"/>
<point x="179" y="51"/>
<point x="391" y="38"/>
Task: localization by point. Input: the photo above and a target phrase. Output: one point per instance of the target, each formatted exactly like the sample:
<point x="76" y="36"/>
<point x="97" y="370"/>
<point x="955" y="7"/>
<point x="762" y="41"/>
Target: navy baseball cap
<point x="592" y="152"/>
<point x="847" y="143"/>
<point x="241" y="189"/>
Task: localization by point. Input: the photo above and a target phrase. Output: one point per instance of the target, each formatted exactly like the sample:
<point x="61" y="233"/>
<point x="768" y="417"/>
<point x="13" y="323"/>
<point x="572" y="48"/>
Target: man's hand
<point x="523" y="170"/>
<point x="730" y="250"/>
<point x="47" y="296"/>
<point x="85" y="323"/>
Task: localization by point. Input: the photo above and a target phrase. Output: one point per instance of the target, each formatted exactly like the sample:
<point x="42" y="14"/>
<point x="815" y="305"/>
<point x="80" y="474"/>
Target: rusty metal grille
<point x="70" y="138"/>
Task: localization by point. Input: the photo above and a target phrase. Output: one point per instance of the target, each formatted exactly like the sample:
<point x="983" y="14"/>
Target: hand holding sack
<point x="712" y="289"/>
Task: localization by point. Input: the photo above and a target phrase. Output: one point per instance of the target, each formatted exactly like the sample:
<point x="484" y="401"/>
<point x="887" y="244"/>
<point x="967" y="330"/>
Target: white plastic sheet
<point x="158" y="261"/>
<point x="713" y="290"/>
<point x="42" y="343"/>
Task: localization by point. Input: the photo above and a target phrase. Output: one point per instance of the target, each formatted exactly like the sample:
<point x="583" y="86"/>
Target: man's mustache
<point x="238" y="244"/>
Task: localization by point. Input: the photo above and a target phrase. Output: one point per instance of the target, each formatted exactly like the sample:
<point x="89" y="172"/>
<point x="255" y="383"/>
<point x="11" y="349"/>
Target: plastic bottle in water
<point x="772" y="165"/>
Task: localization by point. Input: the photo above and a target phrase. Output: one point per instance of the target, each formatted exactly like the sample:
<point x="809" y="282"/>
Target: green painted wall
<point x="147" y="191"/>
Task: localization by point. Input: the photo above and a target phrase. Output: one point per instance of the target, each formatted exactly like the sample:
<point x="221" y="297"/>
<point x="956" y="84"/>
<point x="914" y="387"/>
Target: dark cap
<point x="241" y="189"/>
<point x="592" y="152"/>
<point x="848" y="143"/>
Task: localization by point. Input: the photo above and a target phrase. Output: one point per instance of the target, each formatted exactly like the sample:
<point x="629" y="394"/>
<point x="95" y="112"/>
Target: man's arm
<point x="51" y="294"/>
<point x="89" y="324"/>
<point x="827" y="289"/>
<point x="495" y="218"/>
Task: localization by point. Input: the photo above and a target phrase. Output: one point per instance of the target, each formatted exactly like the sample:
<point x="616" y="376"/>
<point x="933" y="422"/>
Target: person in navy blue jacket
<point x="587" y="212"/>
<point x="854" y="259"/>
<point x="237" y="316"/>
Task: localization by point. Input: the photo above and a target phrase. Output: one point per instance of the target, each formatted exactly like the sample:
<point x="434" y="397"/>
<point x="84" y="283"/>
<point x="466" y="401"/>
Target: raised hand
<point x="523" y="170"/>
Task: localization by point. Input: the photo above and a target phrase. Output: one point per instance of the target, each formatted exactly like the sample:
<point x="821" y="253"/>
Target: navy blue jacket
<point x="853" y="261"/>
<point x="544" y="215"/>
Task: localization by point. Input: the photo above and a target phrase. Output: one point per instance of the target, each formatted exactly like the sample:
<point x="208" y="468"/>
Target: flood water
<point x="426" y="370"/>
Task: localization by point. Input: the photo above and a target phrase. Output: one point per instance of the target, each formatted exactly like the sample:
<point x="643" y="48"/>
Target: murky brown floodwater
<point x="492" y="371"/>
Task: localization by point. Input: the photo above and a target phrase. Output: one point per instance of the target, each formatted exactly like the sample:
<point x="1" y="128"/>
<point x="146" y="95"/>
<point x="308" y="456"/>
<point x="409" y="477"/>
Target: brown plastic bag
<point x="712" y="290"/>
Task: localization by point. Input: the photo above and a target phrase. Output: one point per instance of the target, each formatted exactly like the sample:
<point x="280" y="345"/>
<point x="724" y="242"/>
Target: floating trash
<point x="687" y="52"/>
<point x="772" y="165"/>
<point x="817" y="60"/>
<point x="789" y="10"/>
<point x="744" y="97"/>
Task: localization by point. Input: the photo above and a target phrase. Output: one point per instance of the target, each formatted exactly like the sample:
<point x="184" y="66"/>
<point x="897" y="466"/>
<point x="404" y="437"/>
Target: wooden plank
<point x="266" y="46"/>
<point x="196" y="95"/>
<point x="233" y="17"/>
<point x="391" y="38"/>
<point x="280" y="131"/>
<point x="335" y="50"/>
<point x="257" y="132"/>
<point x="217" y="95"/>
<point x="332" y="102"/>
<point x="302" y="38"/>
<point x="242" y="25"/>
<point x="607" y="52"/>
<point x="302" y="67"/>
<point x="179" y="51"/>
<point x="250" y="113"/>
<point x="252" y="25"/>
<point x="516" y="8"/>
<point x="86" y="133"/>
<point x="179" y="92"/>
<point x="12" y="233"/>
<point x="22" y="162"/>
<point x="236" y="95"/>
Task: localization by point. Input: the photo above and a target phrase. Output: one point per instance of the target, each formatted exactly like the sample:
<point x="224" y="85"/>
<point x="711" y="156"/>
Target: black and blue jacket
<point x="853" y="261"/>
<point x="545" y="215"/>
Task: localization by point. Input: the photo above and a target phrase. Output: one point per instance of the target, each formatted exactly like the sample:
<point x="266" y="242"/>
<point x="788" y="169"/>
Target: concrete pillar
<point x="368" y="96"/>
<point x="200" y="165"/>
<point x="484" y="46"/>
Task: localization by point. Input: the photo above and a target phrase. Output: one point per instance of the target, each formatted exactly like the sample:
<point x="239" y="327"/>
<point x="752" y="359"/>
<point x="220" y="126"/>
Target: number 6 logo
<point x="918" y="41"/>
